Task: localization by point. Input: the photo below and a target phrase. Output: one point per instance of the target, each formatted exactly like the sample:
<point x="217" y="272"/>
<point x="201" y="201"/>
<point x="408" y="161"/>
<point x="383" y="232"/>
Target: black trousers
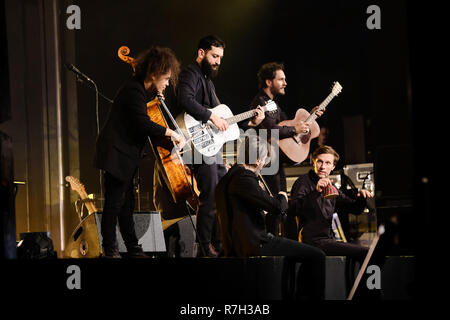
<point x="208" y="176"/>
<point x="310" y="275"/>
<point x="119" y="207"/>
<point x="277" y="224"/>
<point x="331" y="247"/>
<point x="354" y="253"/>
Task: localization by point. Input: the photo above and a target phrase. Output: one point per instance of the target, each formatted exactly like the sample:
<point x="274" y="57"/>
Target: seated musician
<point x="120" y="145"/>
<point x="240" y="204"/>
<point x="315" y="213"/>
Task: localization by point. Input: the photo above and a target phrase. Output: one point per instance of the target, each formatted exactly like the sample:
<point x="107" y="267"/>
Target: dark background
<point x="319" y="42"/>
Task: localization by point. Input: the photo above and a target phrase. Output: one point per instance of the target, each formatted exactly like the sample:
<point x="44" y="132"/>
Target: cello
<point x="175" y="172"/>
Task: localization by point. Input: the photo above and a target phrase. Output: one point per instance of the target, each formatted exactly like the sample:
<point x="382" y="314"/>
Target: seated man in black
<point x="240" y="204"/>
<point x="316" y="213"/>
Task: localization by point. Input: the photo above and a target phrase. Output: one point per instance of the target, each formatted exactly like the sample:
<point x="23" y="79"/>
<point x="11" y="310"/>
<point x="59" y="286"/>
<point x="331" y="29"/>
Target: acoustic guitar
<point x="84" y="241"/>
<point x="296" y="148"/>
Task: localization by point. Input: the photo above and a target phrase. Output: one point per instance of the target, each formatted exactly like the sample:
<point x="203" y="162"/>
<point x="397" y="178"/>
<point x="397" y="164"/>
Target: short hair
<point x="268" y="71"/>
<point x="157" y="61"/>
<point x="207" y="42"/>
<point x="252" y="148"/>
<point x="325" y="150"/>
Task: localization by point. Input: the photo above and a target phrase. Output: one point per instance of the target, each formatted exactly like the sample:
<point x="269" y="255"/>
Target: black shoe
<point x="136" y="252"/>
<point x="111" y="253"/>
<point x="207" y="250"/>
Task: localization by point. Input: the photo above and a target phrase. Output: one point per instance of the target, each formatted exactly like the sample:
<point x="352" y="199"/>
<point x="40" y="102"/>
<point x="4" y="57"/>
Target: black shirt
<point x="272" y="118"/>
<point x="316" y="213"/>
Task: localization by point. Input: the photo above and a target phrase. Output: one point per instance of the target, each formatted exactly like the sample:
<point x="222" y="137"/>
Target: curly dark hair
<point x="157" y="61"/>
<point x="268" y="72"/>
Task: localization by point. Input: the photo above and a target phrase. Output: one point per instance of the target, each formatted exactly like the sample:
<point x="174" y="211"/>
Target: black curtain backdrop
<point x="319" y="42"/>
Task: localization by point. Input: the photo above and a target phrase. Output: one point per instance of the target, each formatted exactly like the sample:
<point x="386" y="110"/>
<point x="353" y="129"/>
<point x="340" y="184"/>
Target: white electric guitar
<point x="206" y="138"/>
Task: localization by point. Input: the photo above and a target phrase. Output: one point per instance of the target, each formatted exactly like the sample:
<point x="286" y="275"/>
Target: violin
<point x="177" y="176"/>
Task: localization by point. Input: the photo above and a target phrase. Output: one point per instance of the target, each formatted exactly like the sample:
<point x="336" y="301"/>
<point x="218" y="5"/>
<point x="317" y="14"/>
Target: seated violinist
<point x="240" y="204"/>
<point x="316" y="213"/>
<point x="120" y="144"/>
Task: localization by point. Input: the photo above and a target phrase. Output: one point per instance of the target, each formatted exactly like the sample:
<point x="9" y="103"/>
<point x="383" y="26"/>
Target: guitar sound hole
<point x="83" y="247"/>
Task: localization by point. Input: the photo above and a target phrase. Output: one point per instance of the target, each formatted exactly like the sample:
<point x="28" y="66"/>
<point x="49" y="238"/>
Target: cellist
<point x="120" y="144"/>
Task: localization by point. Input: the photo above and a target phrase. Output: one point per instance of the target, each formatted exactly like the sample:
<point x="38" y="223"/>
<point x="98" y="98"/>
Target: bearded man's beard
<point x="208" y="70"/>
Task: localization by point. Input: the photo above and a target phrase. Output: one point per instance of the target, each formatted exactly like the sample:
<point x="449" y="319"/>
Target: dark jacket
<point x="121" y="141"/>
<point x="196" y="93"/>
<point x="316" y="213"/>
<point x="240" y="202"/>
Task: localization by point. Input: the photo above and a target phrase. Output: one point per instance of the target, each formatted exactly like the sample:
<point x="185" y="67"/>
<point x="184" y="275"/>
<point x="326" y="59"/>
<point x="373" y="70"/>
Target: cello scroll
<point x="123" y="53"/>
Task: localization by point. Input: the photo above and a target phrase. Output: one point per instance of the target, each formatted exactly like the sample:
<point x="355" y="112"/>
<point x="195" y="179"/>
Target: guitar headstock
<point x="76" y="185"/>
<point x="270" y="106"/>
<point x="337" y="88"/>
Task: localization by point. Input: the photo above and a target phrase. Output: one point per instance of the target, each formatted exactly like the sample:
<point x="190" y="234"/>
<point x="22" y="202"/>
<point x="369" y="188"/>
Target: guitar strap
<point x="210" y="93"/>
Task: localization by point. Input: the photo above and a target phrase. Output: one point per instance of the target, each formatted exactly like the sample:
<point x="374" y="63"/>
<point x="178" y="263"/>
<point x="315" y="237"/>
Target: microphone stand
<point x="97" y="93"/>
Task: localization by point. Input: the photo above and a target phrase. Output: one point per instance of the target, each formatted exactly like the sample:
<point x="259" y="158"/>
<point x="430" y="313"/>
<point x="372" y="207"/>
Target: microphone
<point x="74" y="69"/>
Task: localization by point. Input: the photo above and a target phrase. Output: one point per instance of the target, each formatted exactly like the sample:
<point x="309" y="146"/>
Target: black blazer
<point x="240" y="201"/>
<point x="196" y="93"/>
<point x="120" y="144"/>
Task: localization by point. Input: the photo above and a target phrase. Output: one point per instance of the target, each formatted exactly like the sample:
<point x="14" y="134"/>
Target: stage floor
<point x="189" y="279"/>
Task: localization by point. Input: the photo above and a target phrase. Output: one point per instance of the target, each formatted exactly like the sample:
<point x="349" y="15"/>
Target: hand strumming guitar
<point x="303" y="127"/>
<point x="220" y="123"/>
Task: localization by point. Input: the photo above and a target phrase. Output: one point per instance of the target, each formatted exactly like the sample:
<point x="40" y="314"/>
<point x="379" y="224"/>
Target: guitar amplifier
<point x="362" y="175"/>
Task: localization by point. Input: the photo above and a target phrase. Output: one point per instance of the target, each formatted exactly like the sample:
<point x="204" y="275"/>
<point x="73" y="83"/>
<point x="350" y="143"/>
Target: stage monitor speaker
<point x="86" y="239"/>
<point x="148" y="231"/>
<point x="180" y="237"/>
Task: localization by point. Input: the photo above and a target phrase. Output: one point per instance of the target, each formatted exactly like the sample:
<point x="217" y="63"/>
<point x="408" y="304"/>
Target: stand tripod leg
<point x="195" y="229"/>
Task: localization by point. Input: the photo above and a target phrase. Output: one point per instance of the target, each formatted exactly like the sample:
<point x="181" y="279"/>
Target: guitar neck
<point x="240" y="117"/>
<point x="322" y="106"/>
<point x="88" y="202"/>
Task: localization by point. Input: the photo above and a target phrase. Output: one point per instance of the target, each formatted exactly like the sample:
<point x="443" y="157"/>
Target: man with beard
<point x="196" y="96"/>
<point x="120" y="144"/>
<point x="272" y="83"/>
